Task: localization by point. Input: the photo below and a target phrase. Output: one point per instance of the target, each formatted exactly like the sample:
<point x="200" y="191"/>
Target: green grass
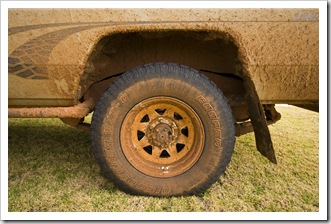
<point x="51" y="168"/>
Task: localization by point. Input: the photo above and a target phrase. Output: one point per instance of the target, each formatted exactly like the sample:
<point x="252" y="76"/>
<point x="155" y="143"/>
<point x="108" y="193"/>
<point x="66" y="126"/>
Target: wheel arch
<point x="216" y="53"/>
<point x="219" y="54"/>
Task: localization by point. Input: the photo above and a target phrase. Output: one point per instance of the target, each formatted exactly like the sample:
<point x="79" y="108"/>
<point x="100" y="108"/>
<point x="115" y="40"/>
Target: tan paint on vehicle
<point x="277" y="48"/>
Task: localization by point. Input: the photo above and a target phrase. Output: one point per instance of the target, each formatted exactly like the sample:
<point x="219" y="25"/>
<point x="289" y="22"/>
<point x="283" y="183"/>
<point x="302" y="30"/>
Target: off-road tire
<point x="163" y="129"/>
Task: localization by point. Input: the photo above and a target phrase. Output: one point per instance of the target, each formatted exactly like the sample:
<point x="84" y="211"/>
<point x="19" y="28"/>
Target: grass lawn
<point x="51" y="168"/>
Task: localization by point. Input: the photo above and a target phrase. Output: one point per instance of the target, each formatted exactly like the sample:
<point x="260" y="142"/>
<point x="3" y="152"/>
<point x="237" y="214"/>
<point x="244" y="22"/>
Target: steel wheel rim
<point x="162" y="137"/>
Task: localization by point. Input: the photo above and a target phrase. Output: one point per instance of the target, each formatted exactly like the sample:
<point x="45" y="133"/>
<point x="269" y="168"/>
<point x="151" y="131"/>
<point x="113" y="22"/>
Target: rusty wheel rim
<point x="162" y="137"/>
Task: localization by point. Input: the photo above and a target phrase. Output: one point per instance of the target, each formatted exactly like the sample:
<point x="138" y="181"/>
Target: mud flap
<point x="260" y="127"/>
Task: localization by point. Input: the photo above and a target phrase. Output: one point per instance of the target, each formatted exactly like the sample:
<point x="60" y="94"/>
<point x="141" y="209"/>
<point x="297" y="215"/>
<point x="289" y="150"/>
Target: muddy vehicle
<point x="170" y="88"/>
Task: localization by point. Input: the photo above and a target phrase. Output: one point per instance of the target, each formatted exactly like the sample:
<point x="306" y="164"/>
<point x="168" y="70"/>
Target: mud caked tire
<point x="163" y="129"/>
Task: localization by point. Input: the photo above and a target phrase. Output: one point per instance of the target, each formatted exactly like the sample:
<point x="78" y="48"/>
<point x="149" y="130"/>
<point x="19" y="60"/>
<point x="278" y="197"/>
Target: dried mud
<point x="276" y="48"/>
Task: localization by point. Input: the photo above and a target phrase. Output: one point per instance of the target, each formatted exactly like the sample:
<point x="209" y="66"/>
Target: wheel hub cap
<point x="162" y="132"/>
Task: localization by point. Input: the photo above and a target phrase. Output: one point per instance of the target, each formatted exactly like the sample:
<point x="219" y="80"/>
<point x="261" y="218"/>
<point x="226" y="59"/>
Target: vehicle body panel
<point x="49" y="48"/>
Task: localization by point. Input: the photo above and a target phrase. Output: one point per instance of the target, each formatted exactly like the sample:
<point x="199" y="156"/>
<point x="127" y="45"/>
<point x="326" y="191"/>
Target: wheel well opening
<point x="212" y="53"/>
